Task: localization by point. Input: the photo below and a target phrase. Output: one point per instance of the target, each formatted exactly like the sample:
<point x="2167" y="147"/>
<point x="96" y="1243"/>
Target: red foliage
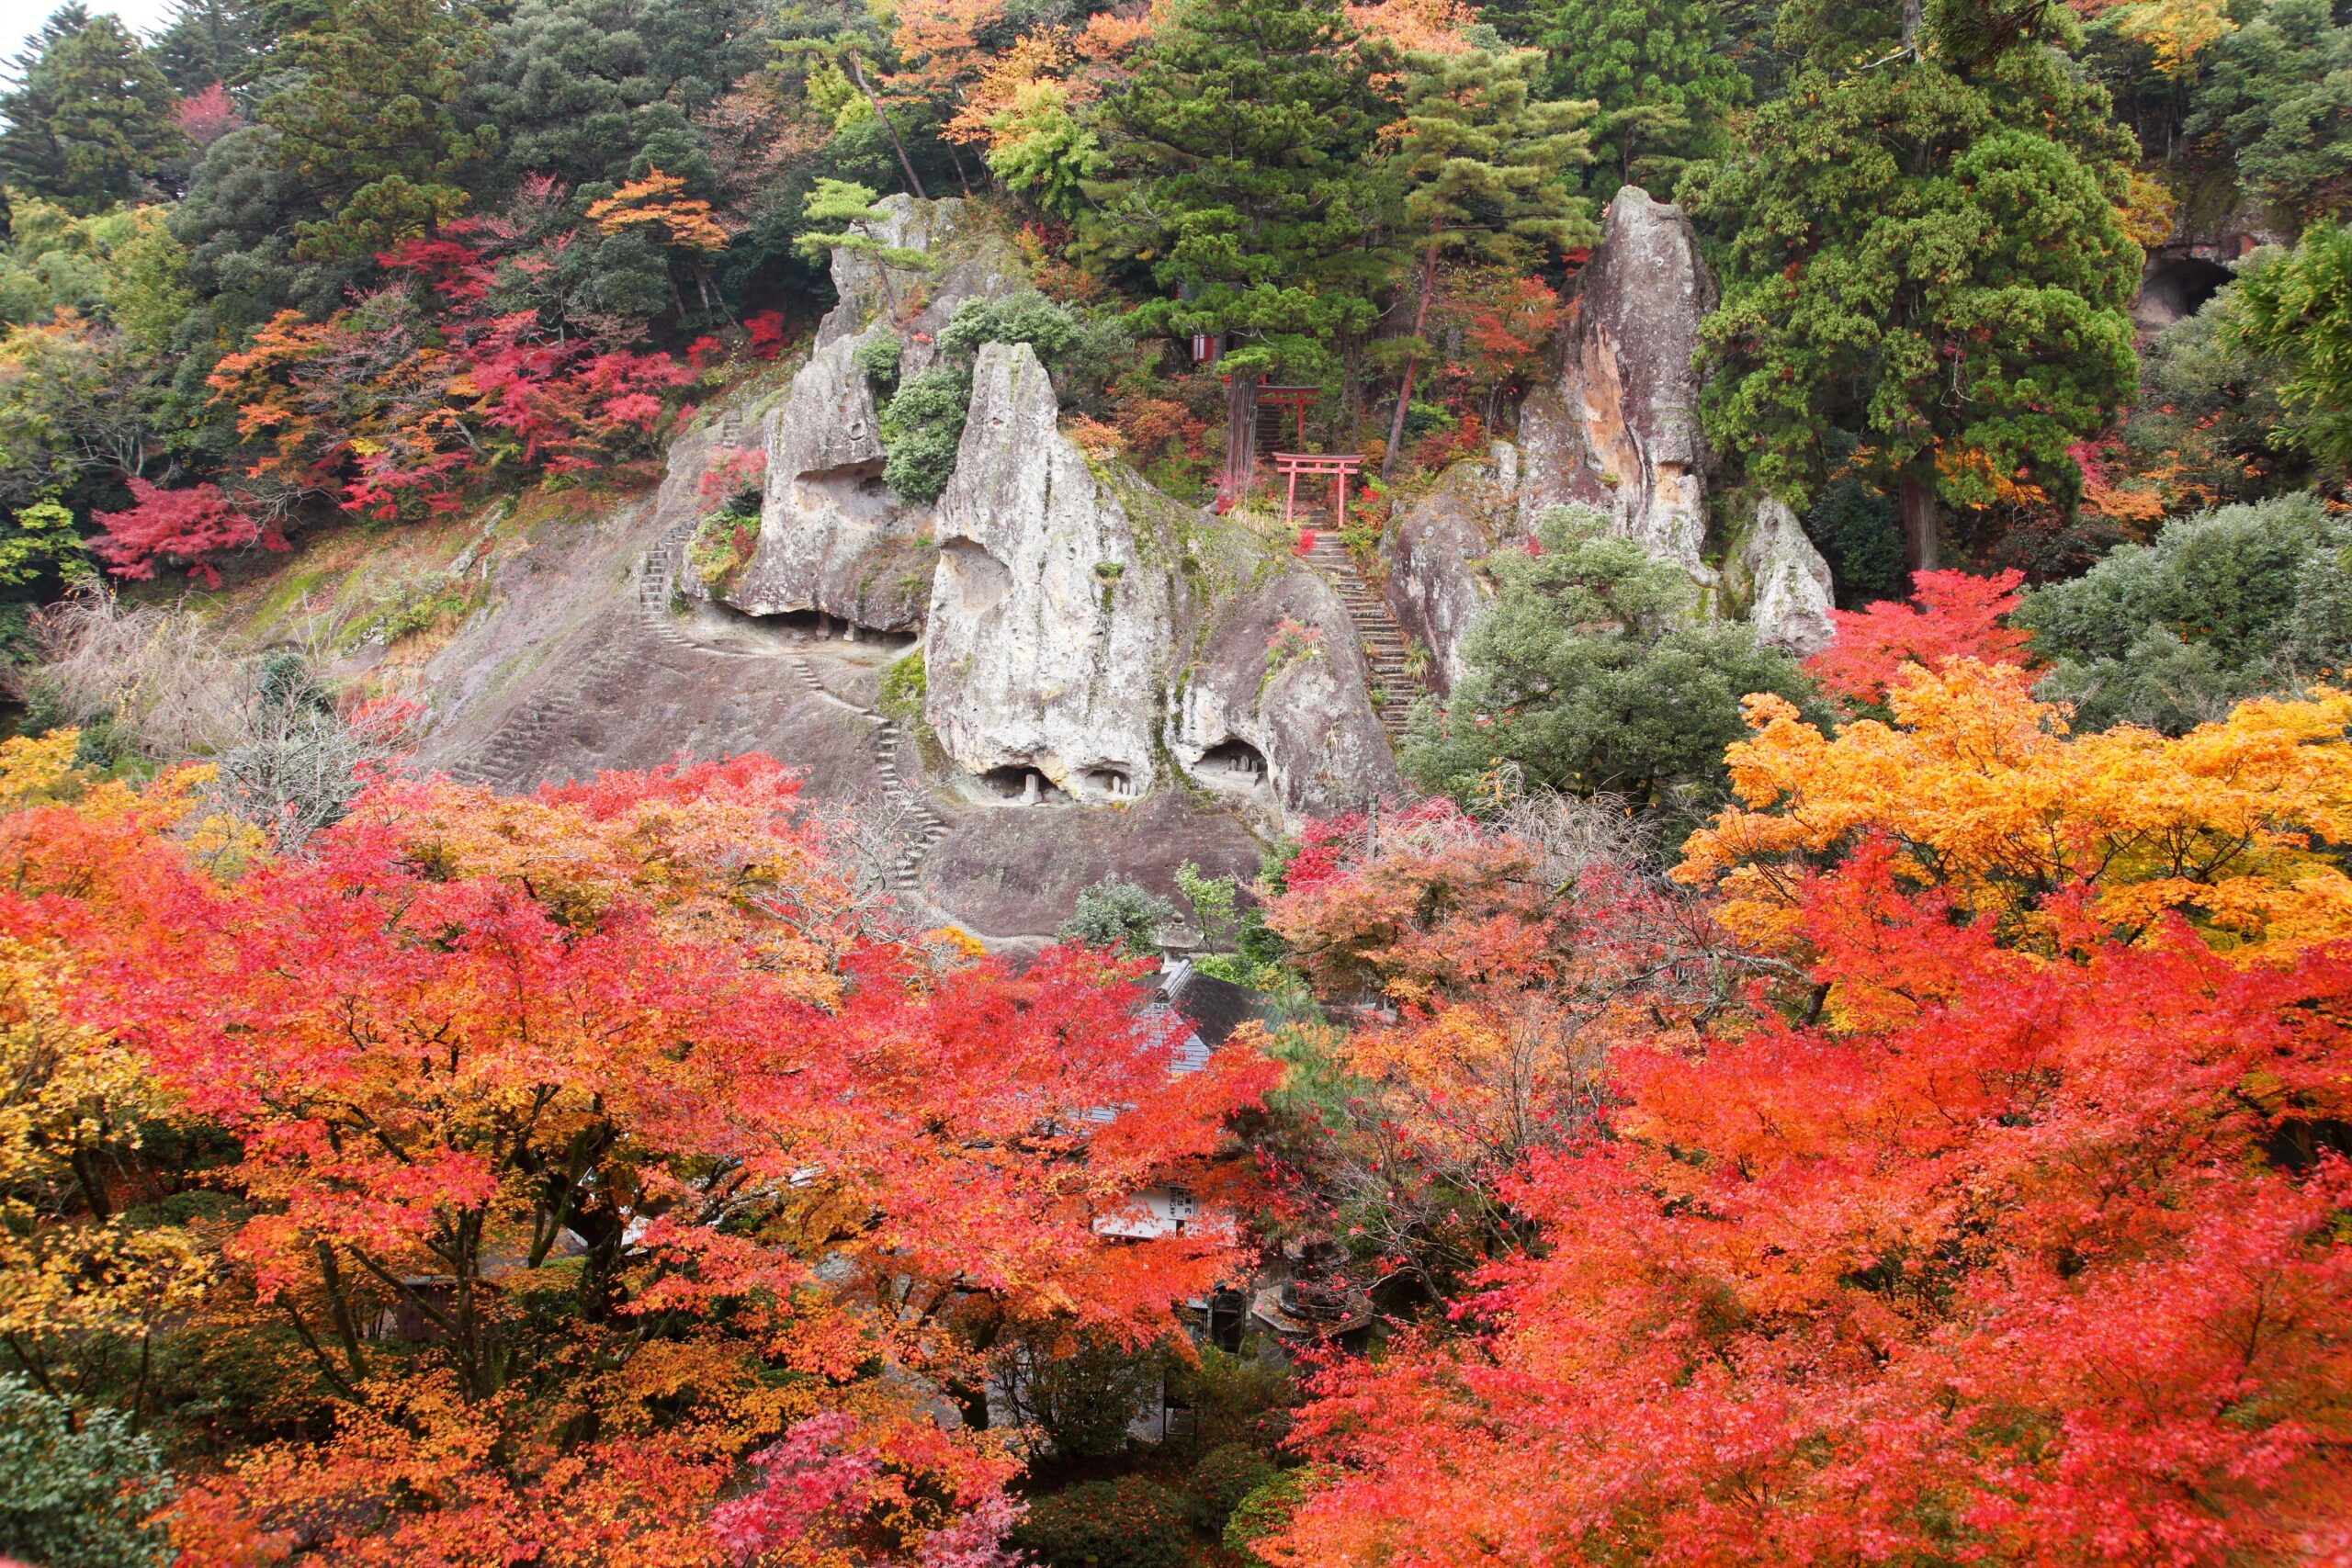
<point x="2045" y="1268"/>
<point x="1954" y="615"/>
<point x="177" y="524"/>
<point x="206" y="116"/>
<point x="767" y="334"/>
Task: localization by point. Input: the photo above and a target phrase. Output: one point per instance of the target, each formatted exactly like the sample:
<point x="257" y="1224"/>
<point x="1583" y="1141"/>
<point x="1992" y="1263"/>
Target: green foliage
<point x="1225" y="1475"/>
<point x="88" y="122"/>
<point x="1041" y="148"/>
<point x="2299" y="308"/>
<point x="2210" y="425"/>
<point x="1237" y="156"/>
<point x="598" y="90"/>
<point x="76" y="1487"/>
<point x="1861" y="536"/>
<point x="1231" y="1397"/>
<point x="903" y="686"/>
<point x="1925" y="255"/>
<point x="1082" y="351"/>
<point x="878" y="357"/>
<point x="2219" y="606"/>
<point x="1483" y="157"/>
<point x="2278" y="93"/>
<point x="41" y="539"/>
<point x="1590" y="673"/>
<point x="1081" y="1398"/>
<point x="1216" y="901"/>
<point x="1660" y="73"/>
<point x="1263" y="1512"/>
<point x="921" y="427"/>
<point x="369" y="121"/>
<point x="1118" y="913"/>
<point x="1132" y="1522"/>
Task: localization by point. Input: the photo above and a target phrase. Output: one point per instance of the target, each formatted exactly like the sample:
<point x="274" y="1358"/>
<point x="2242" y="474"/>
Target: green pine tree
<point x="1240" y="149"/>
<point x="1924" y="254"/>
<point x="1482" y="165"/>
<point x="368" y="121"/>
<point x="1660" y="74"/>
<point x="89" y="121"/>
<point x="2279" y="97"/>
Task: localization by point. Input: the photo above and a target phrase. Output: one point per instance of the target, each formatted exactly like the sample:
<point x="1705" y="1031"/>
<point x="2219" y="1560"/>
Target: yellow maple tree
<point x="659" y="202"/>
<point x="1984" y="791"/>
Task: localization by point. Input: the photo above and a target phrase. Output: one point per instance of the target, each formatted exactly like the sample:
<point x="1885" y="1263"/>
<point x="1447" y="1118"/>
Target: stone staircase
<point x="920" y="826"/>
<point x="1395" y="687"/>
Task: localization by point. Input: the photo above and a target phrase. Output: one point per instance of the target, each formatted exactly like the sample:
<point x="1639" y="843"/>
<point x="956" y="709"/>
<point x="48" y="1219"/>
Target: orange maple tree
<point x="589" y="1144"/>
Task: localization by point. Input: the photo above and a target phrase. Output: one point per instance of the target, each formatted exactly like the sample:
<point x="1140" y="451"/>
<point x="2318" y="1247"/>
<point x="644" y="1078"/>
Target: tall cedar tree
<point x="90" y="120"/>
<point x="1924" y="251"/>
<point x="1661" y="74"/>
<point x="369" y="123"/>
<point x="1482" y="159"/>
<point x="208" y="42"/>
<point x="1244" y="133"/>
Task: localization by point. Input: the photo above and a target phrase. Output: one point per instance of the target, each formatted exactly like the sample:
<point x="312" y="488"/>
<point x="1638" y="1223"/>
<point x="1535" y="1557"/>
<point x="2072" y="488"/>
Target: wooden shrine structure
<point x="1340" y="468"/>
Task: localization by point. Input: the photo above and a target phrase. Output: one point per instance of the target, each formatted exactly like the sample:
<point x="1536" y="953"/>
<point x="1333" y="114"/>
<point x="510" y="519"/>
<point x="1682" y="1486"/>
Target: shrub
<point x="1231" y="1396"/>
<point x="877" y="356"/>
<point x="2221" y="606"/>
<point x="76" y="1497"/>
<point x="1082" y="351"/>
<point x="903" y="685"/>
<point x="1225" y="1476"/>
<point x="921" y="429"/>
<point x="1115" y="912"/>
<point x="1591" y="674"/>
<point x="1261" y="1513"/>
<point x="1128" y="1523"/>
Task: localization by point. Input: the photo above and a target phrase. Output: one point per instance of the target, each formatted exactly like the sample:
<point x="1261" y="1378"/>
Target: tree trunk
<point x="906" y="166"/>
<point x="1918" y="502"/>
<point x="1240" y="430"/>
<point x="1405" y="392"/>
<point x="1913" y="12"/>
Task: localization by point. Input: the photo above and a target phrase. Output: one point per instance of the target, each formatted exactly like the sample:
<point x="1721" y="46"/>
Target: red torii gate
<point x="1314" y="465"/>
<point x="1296" y="398"/>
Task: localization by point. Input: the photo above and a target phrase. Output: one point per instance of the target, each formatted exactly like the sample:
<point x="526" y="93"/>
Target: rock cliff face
<point x="1052" y="616"/>
<point x="1788" y="590"/>
<point x="1274" y="717"/>
<point x="1432" y="586"/>
<point x="833" y="538"/>
<point x="1619" y="432"/>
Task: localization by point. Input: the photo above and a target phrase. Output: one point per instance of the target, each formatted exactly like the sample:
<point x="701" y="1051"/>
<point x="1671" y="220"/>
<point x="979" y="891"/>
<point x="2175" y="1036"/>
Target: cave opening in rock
<point x="2174" y="288"/>
<point x="1027" y="785"/>
<point x="1232" y="764"/>
<point x="1110" y="781"/>
<point x="816" y="625"/>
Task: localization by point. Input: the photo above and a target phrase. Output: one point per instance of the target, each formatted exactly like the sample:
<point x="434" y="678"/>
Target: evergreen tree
<point x="369" y="120"/>
<point x="2297" y="306"/>
<point x="1590" y="673"/>
<point x="1924" y="253"/>
<point x="598" y="90"/>
<point x="1482" y="162"/>
<point x="2280" y="96"/>
<point x="88" y="122"/>
<point x="1241" y="145"/>
<point x="208" y="42"/>
<point x="1661" y="77"/>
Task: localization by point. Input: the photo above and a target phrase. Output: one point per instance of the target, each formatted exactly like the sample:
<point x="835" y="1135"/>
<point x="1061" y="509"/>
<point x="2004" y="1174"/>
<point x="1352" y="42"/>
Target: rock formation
<point x="1620" y="430"/>
<point x="1274" y="717"/>
<point x="1433" y="585"/>
<point x="833" y="538"/>
<point x="1789" y="591"/>
<point x="1052" y="615"/>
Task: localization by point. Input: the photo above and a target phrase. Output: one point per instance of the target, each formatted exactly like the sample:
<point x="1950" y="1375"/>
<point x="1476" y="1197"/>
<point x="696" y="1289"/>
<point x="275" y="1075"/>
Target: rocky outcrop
<point x="1433" y="587"/>
<point x="1274" y="717"/>
<point x="1788" y="586"/>
<point x="1619" y="432"/>
<point x="1052" y="613"/>
<point x="834" y="538"/>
